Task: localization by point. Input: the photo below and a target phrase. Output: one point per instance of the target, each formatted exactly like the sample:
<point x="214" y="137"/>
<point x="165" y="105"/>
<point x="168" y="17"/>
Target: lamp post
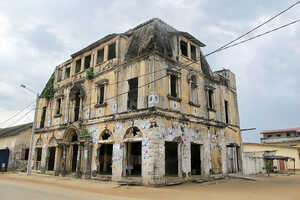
<point x="33" y="128"/>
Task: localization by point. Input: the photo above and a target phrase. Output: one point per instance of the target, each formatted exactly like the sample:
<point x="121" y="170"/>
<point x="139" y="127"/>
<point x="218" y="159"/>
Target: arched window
<point x="106" y="134"/>
<point x="74" y="137"/>
<point x="133" y="132"/>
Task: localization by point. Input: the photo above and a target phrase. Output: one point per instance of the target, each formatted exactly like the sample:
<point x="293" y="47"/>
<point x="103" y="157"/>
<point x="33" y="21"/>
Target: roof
<point x="271" y="145"/>
<point x="152" y="35"/>
<point x="14" y="130"/>
<point x="297" y="129"/>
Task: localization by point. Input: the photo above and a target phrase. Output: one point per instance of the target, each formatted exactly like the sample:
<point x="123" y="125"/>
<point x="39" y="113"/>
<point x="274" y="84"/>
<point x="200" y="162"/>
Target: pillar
<point x="87" y="159"/>
<point x="223" y="151"/>
<point x="57" y="160"/>
<point x="78" y="164"/>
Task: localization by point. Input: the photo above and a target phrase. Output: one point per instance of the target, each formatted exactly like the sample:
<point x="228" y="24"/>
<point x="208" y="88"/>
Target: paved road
<point x="28" y="191"/>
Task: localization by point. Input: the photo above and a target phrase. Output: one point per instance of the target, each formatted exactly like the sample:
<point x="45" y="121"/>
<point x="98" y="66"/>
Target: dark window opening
<point x="101" y="94"/>
<point x="77" y="107"/>
<point x="58" y="105"/>
<point x="183" y="48"/>
<point x="210" y="99"/>
<point x="171" y="159"/>
<point x="74" y="138"/>
<point x="100" y="56"/>
<point x="193" y="52"/>
<point x="134" y="158"/>
<point x="87" y="61"/>
<point x="51" y="160"/>
<point x="269" y="136"/>
<point x="278" y="135"/>
<point x="194" y="93"/>
<point x="105" y="159"/>
<point x="67" y="72"/>
<point x="26" y="154"/>
<point x="111" y="51"/>
<point x="78" y="66"/>
<point x="42" y="123"/>
<point x="59" y="75"/>
<point x="105" y="135"/>
<point x="132" y="94"/>
<point x="226" y="112"/>
<point x="195" y="159"/>
<point x="288" y="135"/>
<point x="38" y="154"/>
<point x="173" y="85"/>
<point x="74" y="158"/>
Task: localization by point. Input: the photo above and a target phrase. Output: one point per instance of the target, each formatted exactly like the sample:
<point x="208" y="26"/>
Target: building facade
<point x="286" y="137"/>
<point x="14" y="147"/>
<point x="143" y="103"/>
<point x="256" y="155"/>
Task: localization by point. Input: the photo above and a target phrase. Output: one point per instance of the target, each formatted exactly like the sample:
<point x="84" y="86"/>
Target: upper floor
<point x="151" y="65"/>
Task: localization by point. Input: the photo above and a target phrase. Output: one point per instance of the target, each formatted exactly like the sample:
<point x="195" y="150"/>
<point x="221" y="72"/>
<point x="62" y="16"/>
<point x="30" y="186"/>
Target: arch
<point x="39" y="142"/>
<point x="106" y="135"/>
<point x="52" y="141"/>
<point x="77" y="90"/>
<point x="71" y="134"/>
<point x="133" y="132"/>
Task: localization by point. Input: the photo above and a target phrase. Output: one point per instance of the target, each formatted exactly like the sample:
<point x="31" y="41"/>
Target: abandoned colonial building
<point x="144" y="104"/>
<point x="285" y="137"/>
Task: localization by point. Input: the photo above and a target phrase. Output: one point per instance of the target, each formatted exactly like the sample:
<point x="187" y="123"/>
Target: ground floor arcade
<point x="141" y="151"/>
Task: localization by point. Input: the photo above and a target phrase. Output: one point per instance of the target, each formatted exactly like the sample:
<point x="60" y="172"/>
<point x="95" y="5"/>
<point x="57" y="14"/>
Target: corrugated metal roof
<point x="14" y="130"/>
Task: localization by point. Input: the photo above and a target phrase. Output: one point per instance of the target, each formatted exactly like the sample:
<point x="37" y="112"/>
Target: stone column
<point x="80" y="109"/>
<point x="87" y="159"/>
<point x="223" y="151"/>
<point x="57" y="160"/>
<point x="63" y="161"/>
<point x="78" y="164"/>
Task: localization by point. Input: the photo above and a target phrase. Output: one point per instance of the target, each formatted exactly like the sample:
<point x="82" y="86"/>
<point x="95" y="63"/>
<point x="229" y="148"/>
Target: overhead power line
<point x="257" y="36"/>
<point x="17" y="113"/>
<point x="255" y="28"/>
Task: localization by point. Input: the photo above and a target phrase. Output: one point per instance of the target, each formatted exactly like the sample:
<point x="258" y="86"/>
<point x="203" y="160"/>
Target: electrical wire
<point x="17" y="113"/>
<point x="255" y="28"/>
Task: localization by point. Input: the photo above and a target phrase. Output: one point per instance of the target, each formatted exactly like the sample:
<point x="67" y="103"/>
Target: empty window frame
<point x="100" y="56"/>
<point x="111" y="51"/>
<point x="184" y="48"/>
<point x="193" y="53"/>
<point x="78" y="66"/>
<point x="43" y="117"/>
<point x="269" y="136"/>
<point x="25" y="153"/>
<point x="210" y="99"/>
<point x="58" y="106"/>
<point x="226" y="112"/>
<point x="59" y="75"/>
<point x="67" y="72"/>
<point x="101" y="90"/>
<point x="87" y="61"/>
<point x="132" y="94"/>
<point x="174" y="85"/>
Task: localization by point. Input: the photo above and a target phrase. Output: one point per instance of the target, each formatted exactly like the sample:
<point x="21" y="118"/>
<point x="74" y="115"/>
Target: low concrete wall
<point x="252" y="164"/>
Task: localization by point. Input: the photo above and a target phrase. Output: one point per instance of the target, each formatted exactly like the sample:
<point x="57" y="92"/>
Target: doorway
<point x="171" y="159"/>
<point x="51" y="160"/>
<point x="195" y="159"/>
<point x="133" y="158"/>
<point x="74" y="157"/>
<point x="105" y="159"/>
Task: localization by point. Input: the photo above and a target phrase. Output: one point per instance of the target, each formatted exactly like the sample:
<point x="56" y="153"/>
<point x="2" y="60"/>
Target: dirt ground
<point x="19" y="186"/>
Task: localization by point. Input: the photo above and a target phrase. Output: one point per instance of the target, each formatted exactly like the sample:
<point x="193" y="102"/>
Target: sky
<point x="36" y="36"/>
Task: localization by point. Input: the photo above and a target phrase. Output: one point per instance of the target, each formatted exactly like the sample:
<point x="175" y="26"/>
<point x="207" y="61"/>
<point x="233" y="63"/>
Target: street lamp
<point x="33" y="127"/>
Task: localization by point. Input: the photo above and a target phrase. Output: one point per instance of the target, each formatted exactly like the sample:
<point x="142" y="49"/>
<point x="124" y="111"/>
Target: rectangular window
<point x="111" y="51"/>
<point x="183" y="48"/>
<point x="101" y="94"/>
<point x="58" y="105"/>
<point x="132" y="94"/>
<point x="193" y="52"/>
<point x="269" y="136"/>
<point x="100" y="56"/>
<point x="59" y="75"/>
<point x="211" y="99"/>
<point x="288" y="135"/>
<point x="87" y="61"/>
<point x="78" y="66"/>
<point x="173" y="85"/>
<point x="42" y="123"/>
<point x="67" y="72"/>
<point x="39" y="154"/>
<point x="226" y="112"/>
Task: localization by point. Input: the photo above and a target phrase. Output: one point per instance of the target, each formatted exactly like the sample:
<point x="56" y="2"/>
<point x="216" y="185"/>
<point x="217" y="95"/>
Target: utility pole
<point x="33" y="128"/>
